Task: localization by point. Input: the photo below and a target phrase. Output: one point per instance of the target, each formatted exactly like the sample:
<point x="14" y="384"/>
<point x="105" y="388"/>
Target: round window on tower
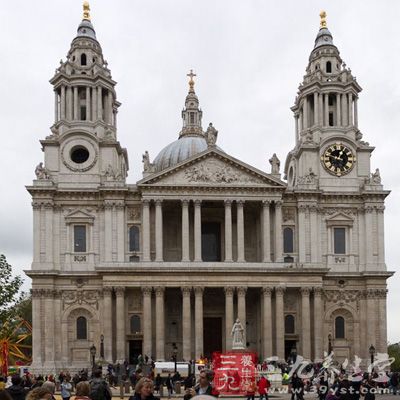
<point x="79" y="154"/>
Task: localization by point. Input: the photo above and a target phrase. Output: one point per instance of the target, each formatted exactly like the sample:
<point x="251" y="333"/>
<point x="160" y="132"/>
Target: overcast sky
<point x="249" y="57"/>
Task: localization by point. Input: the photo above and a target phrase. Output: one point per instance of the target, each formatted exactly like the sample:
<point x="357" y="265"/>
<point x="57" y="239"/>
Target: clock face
<point x="338" y="159"/>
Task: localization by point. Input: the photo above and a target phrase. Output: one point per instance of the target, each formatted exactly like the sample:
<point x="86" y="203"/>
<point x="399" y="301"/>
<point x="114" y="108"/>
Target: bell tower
<point x="83" y="147"/>
<point x="329" y="153"/>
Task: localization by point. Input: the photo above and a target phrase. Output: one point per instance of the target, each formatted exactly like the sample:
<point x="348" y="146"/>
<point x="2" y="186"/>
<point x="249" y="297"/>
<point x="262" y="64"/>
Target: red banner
<point x="235" y="373"/>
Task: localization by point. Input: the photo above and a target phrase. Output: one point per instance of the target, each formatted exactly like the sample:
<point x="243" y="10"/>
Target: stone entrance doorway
<point x="211" y="241"/>
<point x="290" y="349"/>
<point x="135" y="348"/>
<point x="212" y="335"/>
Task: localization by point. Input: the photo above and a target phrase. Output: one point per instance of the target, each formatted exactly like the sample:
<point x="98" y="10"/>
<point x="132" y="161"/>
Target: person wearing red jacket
<point x="263" y="386"/>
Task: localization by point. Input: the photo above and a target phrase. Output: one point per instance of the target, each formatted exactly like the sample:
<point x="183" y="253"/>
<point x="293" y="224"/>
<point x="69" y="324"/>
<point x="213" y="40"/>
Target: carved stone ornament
<point x="147" y="290"/>
<point x="241" y="291"/>
<point x="308" y="179"/>
<point x="134" y="213"/>
<point x="41" y="172"/>
<point x="346" y="296"/>
<point x="211" y="135"/>
<point x="275" y="164"/>
<point x="88" y="297"/>
<point x="229" y="290"/>
<point x="111" y="174"/>
<point x="213" y="172"/>
<point x="267" y="291"/>
<point x="186" y="290"/>
<point x="288" y="214"/>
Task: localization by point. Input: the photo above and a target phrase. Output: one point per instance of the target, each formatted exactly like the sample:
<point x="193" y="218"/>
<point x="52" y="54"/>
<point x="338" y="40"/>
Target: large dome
<point x="178" y="151"/>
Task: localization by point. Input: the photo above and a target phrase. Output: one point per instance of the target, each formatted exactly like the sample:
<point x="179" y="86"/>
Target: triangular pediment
<point x="339" y="216"/>
<point x="79" y="216"/>
<point x="212" y="168"/>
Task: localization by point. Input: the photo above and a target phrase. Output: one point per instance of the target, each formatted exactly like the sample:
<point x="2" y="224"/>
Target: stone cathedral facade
<point x="168" y="263"/>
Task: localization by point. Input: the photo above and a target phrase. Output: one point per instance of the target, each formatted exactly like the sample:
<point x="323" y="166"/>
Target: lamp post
<point x="93" y="355"/>
<point x="372" y="354"/>
<point x="102" y="347"/>
<point x="174" y="355"/>
<point x="329" y="344"/>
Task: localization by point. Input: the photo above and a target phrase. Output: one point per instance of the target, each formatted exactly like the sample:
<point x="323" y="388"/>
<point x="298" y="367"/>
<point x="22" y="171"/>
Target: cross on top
<point x="191" y="81"/>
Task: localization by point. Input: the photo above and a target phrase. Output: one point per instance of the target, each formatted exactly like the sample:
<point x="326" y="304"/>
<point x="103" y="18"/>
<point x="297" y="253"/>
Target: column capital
<point x="280" y="290"/>
<point x="147" y="290"/>
<point x="229" y="290"/>
<point x="120" y="291"/>
<point x="305" y="291"/>
<point x="197" y="203"/>
<point x="198" y="290"/>
<point x="158" y="202"/>
<point x="107" y="290"/>
<point x="278" y="203"/>
<point x="266" y="290"/>
<point x="228" y="202"/>
<point x="241" y="291"/>
<point x="186" y="291"/>
<point x="185" y="202"/>
<point x="37" y="293"/>
<point x="266" y="203"/>
<point x="146" y="202"/>
<point x="318" y="291"/>
<point x="239" y="203"/>
<point x="159" y="291"/>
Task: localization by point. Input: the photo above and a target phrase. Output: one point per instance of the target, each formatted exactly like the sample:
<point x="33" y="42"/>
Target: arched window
<point x="135" y="324"/>
<point x="339" y="328"/>
<point x="289" y="324"/>
<point x="328" y="67"/>
<point x="288" y="240"/>
<point x="81" y="328"/>
<point x="83" y="59"/>
<point x="134" y="244"/>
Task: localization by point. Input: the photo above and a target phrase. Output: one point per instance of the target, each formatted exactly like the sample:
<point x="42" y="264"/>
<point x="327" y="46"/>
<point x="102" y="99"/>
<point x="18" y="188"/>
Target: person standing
<point x="263" y="386"/>
<point x="170" y="385"/>
<point x="16" y="391"/>
<point x="66" y="387"/>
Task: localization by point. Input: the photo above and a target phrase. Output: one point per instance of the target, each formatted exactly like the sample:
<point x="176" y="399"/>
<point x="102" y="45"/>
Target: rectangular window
<point x="330" y="119"/>
<point x="192" y="118"/>
<point x="339" y="239"/>
<point x="83" y="113"/>
<point x="79" y="238"/>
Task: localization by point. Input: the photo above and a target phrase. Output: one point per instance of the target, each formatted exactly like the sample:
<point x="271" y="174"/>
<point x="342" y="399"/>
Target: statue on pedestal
<point x="238" y="336"/>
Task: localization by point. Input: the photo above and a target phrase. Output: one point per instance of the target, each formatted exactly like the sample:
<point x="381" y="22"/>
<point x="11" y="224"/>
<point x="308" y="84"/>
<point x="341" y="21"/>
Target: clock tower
<point x="330" y="154"/>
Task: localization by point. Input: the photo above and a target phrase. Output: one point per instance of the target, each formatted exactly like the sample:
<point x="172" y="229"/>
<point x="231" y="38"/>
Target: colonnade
<point x="265" y="230"/>
<point x="345" y="110"/>
<point x="67" y="103"/>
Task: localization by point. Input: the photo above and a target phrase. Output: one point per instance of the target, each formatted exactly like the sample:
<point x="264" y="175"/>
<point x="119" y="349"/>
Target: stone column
<point x="36" y="230"/>
<point x="345" y="110"/>
<point x="185" y="231"/>
<point x="107" y="323"/>
<point x="37" y="350"/>
<point x="305" y="322"/>
<point x="99" y="103"/>
<point x="326" y="116"/>
<point x="321" y="109"/>
<point x="350" y="108"/>
<point x="88" y="117"/>
<point x="296" y="127"/>
<point x="147" y="331"/>
<point x="229" y="291"/>
<point x="198" y="322"/>
<point x="108" y="217"/>
<point x="315" y="108"/>
<point x="266" y="337"/>
<point x="381" y="235"/>
<point x="305" y="113"/>
<point x="146" y="229"/>
<point x="68" y="109"/>
<point x="241" y="305"/>
<point x="315" y="245"/>
<point x="382" y="346"/>
<point x="280" y="322"/>
<point x="186" y="324"/>
<point x="266" y="232"/>
<point x="76" y="104"/>
<point x="372" y="312"/>
<point x="56" y="114"/>
<point x="94" y="104"/>
<point x="159" y="231"/>
<point x="109" y="107"/>
<point x="302" y="233"/>
<point x="228" y="231"/>
<point x="62" y="102"/>
<point x="49" y="329"/>
<point x="356" y="112"/>
<point x="197" y="230"/>
<point x="278" y="232"/>
<point x="120" y="324"/>
<point x="240" y="231"/>
<point x="160" y="324"/>
<point x="318" y="323"/>
<point x="338" y="110"/>
<point x="369" y="246"/>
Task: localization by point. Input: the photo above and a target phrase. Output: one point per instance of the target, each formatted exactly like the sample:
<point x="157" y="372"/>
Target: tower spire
<point x="86" y="11"/>
<point x="191" y="75"/>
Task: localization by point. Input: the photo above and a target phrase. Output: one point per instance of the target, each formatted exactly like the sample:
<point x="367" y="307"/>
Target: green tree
<point x="9" y="289"/>
<point x="394" y="351"/>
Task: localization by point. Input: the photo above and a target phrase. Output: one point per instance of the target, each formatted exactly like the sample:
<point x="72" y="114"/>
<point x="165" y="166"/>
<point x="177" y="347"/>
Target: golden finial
<point x="191" y="81"/>
<point x="86" y="10"/>
<point x="322" y="14"/>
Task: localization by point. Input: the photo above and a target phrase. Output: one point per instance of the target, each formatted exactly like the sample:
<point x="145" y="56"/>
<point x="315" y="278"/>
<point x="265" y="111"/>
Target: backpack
<point x="98" y="390"/>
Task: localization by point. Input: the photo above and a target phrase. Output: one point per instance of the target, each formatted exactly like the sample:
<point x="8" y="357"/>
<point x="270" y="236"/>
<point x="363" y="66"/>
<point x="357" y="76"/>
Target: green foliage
<point x="9" y="288"/>
<point x="394" y="351"/>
